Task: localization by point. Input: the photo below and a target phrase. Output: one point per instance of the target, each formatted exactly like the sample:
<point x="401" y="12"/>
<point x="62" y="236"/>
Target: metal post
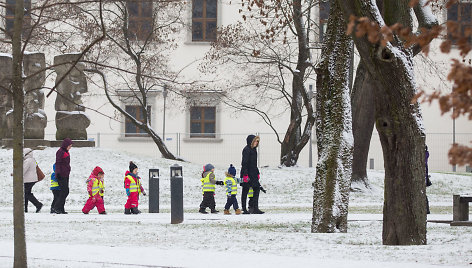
<point x="154" y="190"/>
<point x="176" y="194"/>
<point x="98" y="139"/>
<point x="164" y="94"/>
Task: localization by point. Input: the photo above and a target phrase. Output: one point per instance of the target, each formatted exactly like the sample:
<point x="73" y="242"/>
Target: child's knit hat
<point x="208" y="167"/>
<point x="232" y="170"/>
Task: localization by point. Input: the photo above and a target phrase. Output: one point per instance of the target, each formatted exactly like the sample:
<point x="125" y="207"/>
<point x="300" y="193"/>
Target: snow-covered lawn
<point x="279" y="238"/>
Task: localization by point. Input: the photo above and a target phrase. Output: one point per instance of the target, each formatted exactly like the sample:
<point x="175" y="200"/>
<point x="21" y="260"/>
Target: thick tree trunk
<point x="20" y="259"/>
<point x="362" y="101"/>
<point x="399" y="125"/>
<point x="295" y="139"/>
<point x="333" y="129"/>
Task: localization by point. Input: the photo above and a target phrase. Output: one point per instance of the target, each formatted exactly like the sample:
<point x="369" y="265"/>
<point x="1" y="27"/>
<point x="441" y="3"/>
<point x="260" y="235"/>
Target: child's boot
<point x="103" y="212"/>
<point x="135" y="211"/>
<point x="127" y="211"/>
<point x="237" y="211"/>
<point x="214" y="211"/>
<point x="226" y="211"/>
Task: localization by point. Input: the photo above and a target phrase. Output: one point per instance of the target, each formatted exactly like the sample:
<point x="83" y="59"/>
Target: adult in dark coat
<point x="250" y="175"/>
<point x="62" y="174"/>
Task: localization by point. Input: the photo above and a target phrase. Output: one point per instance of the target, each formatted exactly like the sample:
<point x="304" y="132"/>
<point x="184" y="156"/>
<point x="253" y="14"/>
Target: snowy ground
<point x="279" y="238"/>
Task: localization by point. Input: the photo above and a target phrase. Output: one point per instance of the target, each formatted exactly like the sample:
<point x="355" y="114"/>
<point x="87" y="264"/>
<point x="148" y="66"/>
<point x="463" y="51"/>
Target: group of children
<point x="132" y="184"/>
<point x="96" y="190"/>
<point x="208" y="190"/>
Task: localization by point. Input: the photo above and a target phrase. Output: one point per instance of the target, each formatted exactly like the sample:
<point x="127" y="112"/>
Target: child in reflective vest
<point x="55" y="189"/>
<point x="231" y="184"/>
<point x="133" y="188"/>
<point x="95" y="189"/>
<point x="208" y="189"/>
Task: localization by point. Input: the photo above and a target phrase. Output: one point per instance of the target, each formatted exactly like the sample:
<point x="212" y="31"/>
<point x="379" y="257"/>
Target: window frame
<point x="202" y="122"/>
<point x="139" y="132"/>
<point x="136" y="32"/>
<point x="458" y="19"/>
<point x="204" y="20"/>
<point x="11" y="17"/>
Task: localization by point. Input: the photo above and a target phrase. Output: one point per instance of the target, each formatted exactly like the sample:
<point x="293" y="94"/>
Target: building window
<point x="140" y="22"/>
<point x="202" y="122"/>
<point x="204" y="20"/>
<point x="131" y="130"/>
<point x="461" y="13"/>
<point x="10" y="16"/>
<point x="324" y="15"/>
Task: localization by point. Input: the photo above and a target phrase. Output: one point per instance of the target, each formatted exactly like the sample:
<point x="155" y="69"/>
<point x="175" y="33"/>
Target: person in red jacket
<point x="133" y="189"/>
<point x="95" y="189"/>
<point x="62" y="174"/>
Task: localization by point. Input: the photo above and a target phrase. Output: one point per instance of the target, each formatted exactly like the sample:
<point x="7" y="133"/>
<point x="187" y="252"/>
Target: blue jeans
<point x="231" y="201"/>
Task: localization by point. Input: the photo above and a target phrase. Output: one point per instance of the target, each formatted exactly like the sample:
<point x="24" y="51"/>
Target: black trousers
<point x="231" y="201"/>
<point x="244" y="193"/>
<point x="208" y="200"/>
<point x="254" y="201"/>
<point x="56" y="197"/>
<point x="29" y="196"/>
<point x="63" y="193"/>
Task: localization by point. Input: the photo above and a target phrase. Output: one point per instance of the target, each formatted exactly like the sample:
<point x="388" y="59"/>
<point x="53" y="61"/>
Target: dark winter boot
<point x="135" y="211"/>
<point x="127" y="211"/>
<point x="251" y="211"/>
<point x="203" y="211"/>
<point x="103" y="213"/>
<point x="257" y="211"/>
<point x="245" y="211"/>
<point x="39" y="207"/>
<point x="214" y="211"/>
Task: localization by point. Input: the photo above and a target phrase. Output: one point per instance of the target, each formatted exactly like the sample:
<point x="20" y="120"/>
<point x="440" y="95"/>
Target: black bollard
<point x="176" y="194"/>
<point x="154" y="190"/>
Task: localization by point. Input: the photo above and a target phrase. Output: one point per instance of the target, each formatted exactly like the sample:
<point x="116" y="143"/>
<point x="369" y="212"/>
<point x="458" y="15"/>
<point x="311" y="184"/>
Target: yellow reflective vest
<point x="134" y="186"/>
<point x="97" y="187"/>
<point x="207" y="186"/>
<point x="234" y="186"/>
<point x="250" y="193"/>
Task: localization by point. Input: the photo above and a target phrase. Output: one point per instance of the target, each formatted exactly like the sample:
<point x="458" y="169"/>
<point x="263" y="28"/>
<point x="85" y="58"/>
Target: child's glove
<point x="144" y="193"/>
<point x="127" y="191"/>
<point x="219" y="183"/>
<point x="263" y="190"/>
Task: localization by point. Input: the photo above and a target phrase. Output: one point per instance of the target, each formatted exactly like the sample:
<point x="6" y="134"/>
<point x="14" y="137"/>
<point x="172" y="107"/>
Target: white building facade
<point x="180" y="120"/>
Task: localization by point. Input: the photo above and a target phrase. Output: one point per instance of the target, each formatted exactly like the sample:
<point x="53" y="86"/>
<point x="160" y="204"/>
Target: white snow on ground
<point x="279" y="238"/>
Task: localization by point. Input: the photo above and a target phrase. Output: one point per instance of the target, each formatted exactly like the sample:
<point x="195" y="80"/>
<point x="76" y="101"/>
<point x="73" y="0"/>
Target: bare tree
<point x="136" y="56"/>
<point x="333" y="129"/>
<point x="363" y="111"/>
<point x="398" y="120"/>
<point x="29" y="31"/>
<point x="271" y="50"/>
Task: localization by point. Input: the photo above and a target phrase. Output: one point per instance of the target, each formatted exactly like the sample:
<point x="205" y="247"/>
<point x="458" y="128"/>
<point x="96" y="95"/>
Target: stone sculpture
<point x="71" y="121"/>
<point x="6" y="100"/>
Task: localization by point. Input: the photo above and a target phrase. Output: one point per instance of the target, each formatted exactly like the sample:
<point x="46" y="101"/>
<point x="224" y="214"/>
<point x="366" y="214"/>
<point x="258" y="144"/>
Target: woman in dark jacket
<point x="250" y="175"/>
<point x="62" y="174"/>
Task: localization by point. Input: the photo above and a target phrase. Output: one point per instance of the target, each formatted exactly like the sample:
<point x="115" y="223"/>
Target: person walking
<point x="62" y="174"/>
<point x="250" y="175"/>
<point x="133" y="188"/>
<point x="231" y="184"/>
<point x="30" y="178"/>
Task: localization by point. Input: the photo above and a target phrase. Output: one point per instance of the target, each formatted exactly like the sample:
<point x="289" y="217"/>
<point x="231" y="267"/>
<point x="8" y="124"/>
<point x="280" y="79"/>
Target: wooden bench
<point x="460" y="208"/>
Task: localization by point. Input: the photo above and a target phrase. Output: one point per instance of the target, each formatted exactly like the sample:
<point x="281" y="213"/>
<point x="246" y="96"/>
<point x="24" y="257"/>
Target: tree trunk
<point x="363" y="119"/>
<point x="18" y="134"/>
<point x="333" y="129"/>
<point x="295" y="139"/>
<point x="401" y="135"/>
